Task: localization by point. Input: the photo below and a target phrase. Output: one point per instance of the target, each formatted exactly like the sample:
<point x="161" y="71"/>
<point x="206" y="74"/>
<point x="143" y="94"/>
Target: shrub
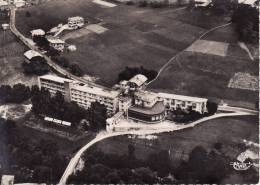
<point x="129" y="3"/>
<point x="143" y="4"/>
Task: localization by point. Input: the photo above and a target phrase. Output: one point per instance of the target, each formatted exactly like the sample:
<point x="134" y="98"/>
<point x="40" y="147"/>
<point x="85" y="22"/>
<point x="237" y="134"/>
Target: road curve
<point x="52" y="64"/>
<point x="74" y="161"/>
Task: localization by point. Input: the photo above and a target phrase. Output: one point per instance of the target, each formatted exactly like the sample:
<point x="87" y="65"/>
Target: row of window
<point x="157" y="118"/>
<point x="84" y="94"/>
<point x="52" y="86"/>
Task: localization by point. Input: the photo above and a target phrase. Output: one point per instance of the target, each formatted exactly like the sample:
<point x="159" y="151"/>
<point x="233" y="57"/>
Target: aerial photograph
<point x="129" y="92"/>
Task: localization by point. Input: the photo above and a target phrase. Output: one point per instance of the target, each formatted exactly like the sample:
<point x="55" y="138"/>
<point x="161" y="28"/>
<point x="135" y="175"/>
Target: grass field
<point x="228" y="131"/>
<point x="134" y="37"/>
<point x="208" y="75"/>
<point x="11" y="59"/>
<point x="150" y="37"/>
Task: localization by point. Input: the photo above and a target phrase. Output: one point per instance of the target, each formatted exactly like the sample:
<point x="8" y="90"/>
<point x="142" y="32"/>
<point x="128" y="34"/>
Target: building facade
<point x="82" y="94"/>
<point x="57" y="44"/>
<point x="173" y="102"/>
<point x="147" y="108"/>
<point x="76" y="22"/>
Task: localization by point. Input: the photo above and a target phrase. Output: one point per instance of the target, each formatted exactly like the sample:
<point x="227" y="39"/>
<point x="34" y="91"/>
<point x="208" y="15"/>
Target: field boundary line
<point x="49" y="61"/>
<point x="174" y="57"/>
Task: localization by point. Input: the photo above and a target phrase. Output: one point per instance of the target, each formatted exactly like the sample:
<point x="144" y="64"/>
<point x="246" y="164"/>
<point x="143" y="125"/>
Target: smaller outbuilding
<point x="30" y="54"/>
<point x="138" y="81"/>
<point x="56" y="43"/>
<point x="76" y="22"/>
<point x="5" y="26"/>
<point x="38" y="32"/>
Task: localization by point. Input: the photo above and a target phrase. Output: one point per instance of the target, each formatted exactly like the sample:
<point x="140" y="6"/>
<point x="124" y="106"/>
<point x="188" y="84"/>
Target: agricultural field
<point x="203" y="70"/>
<point x="11" y="59"/>
<point x="130" y="35"/>
<point x="123" y="35"/>
<point x="230" y="132"/>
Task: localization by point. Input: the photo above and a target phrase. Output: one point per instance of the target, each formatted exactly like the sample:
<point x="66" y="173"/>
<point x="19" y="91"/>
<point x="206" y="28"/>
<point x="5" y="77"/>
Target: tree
<point x="247" y="23"/>
<point x="27" y="14"/>
<point x="98" y="116"/>
<point x="212" y="107"/>
<point x="130" y="72"/>
<point x="41" y="41"/>
<point x="37" y="66"/>
<point x="76" y="70"/>
<point x="131" y="151"/>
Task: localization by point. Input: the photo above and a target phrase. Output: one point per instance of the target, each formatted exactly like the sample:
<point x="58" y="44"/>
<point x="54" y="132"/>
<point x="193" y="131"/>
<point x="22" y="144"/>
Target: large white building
<point x="82" y="94"/>
<point x="173" y="101"/>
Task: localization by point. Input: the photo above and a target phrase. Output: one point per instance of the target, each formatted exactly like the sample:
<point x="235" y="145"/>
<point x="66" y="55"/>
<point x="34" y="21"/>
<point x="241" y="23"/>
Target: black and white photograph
<point x="129" y="92"/>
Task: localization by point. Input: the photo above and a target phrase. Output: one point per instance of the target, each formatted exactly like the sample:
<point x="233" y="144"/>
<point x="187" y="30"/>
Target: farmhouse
<point x="30" y="54"/>
<point x="75" y="22"/>
<point x="57" y="44"/>
<point x="82" y="94"/>
<point x="37" y="32"/>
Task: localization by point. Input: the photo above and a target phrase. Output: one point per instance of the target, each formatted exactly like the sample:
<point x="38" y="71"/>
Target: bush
<point x="129" y="3"/>
<point x="247" y="23"/>
<point x="143" y="4"/>
<point x="156" y="4"/>
<point x="129" y="72"/>
<point x="76" y="70"/>
<point x="37" y="66"/>
<point x="212" y="107"/>
<point x="63" y="62"/>
<point x="16" y="94"/>
<point x="27" y="14"/>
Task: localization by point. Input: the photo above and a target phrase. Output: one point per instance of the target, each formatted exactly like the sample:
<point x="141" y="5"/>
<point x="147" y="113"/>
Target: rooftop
<point x="3" y="3"/>
<point x="55" y="78"/>
<point x="158" y="108"/>
<point x="76" y="18"/>
<point x="138" y="79"/>
<point x="146" y="95"/>
<point x="181" y="97"/>
<point x="31" y="53"/>
<point x="55" y="41"/>
<point x="38" y="32"/>
<point x="248" y="2"/>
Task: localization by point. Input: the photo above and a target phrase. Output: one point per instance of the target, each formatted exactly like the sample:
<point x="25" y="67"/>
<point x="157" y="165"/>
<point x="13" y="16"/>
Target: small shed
<point x="37" y="32"/>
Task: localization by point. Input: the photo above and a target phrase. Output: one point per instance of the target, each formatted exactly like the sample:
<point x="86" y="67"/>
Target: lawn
<point x="228" y="131"/>
<point x="207" y="74"/>
<point x="135" y="36"/>
<point x="11" y="59"/>
<point x="204" y="75"/>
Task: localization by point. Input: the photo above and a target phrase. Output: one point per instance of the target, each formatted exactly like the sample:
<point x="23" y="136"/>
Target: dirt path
<point x="244" y="47"/>
<point x="174" y="57"/>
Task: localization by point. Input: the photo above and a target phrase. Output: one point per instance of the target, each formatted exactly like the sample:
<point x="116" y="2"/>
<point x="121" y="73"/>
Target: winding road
<point x="104" y="135"/>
